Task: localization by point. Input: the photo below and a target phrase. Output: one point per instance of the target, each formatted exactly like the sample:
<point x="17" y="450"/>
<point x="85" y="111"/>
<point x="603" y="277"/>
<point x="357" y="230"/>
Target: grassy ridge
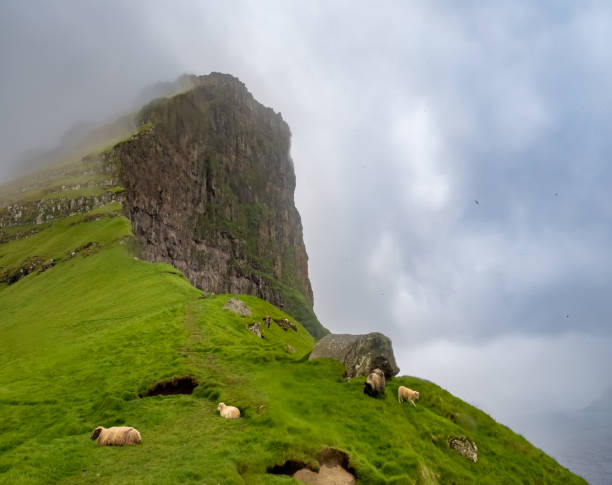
<point x="82" y="340"/>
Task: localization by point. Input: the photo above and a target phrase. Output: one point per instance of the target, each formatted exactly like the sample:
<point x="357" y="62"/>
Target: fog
<point x="451" y="162"/>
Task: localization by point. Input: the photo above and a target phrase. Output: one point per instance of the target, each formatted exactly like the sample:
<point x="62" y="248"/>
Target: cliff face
<point x="209" y="188"/>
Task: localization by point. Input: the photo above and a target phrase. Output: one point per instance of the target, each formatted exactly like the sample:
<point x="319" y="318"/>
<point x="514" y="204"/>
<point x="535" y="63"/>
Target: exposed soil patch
<point x="327" y="475"/>
<point x="176" y="385"/>
<point x="334" y="469"/>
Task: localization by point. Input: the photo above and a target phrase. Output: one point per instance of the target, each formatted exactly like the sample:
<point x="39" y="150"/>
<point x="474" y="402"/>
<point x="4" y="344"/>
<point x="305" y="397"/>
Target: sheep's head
<point x="96" y="433"/>
<point x="221" y="406"/>
<point x="416" y="393"/>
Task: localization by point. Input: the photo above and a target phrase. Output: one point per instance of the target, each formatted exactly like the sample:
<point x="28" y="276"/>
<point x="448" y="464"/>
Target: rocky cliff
<point x="209" y="188"/>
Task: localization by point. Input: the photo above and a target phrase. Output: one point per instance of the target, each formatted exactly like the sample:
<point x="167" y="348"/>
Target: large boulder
<point x="361" y="354"/>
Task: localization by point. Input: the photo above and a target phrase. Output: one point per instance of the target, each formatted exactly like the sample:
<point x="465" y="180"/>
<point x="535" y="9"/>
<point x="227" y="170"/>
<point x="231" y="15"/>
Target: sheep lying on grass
<point x="116" y="436"/>
<point x="375" y="383"/>
<point x="229" y="412"/>
<point x="405" y="394"/>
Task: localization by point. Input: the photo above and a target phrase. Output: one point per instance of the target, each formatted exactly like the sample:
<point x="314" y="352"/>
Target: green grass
<point x="82" y="340"/>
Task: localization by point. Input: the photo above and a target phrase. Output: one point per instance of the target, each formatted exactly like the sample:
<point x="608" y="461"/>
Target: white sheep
<point x="405" y="394"/>
<point x="229" y="412"/>
<point x="116" y="436"/>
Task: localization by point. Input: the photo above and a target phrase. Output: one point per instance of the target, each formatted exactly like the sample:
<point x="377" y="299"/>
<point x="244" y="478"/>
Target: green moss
<point x="116" y="190"/>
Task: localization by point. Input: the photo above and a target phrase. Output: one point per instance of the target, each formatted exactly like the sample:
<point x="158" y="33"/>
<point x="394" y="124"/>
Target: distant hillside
<point x="93" y="335"/>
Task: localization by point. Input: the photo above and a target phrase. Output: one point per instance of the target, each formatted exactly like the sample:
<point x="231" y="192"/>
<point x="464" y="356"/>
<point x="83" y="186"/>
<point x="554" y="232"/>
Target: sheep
<point x="405" y="394"/>
<point x="116" y="436"/>
<point x="375" y="384"/>
<point x="229" y="412"/>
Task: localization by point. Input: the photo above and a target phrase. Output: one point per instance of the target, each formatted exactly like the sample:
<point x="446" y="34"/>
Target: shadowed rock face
<point x="361" y="354"/>
<point x="209" y="189"/>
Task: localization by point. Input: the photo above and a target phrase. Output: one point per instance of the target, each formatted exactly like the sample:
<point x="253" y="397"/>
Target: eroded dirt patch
<point x="327" y="475"/>
<point x="176" y="385"/>
<point x="334" y="469"/>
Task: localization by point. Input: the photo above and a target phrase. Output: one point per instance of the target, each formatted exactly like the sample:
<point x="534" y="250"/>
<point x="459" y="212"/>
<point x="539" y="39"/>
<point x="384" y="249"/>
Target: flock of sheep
<point x="375" y="385"/>
<point x="126" y="435"/>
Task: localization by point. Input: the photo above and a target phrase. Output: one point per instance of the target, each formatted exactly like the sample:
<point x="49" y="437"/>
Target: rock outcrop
<point x="209" y="189"/>
<point x="238" y="306"/>
<point x="464" y="446"/>
<point x="255" y="329"/>
<point x="361" y="354"/>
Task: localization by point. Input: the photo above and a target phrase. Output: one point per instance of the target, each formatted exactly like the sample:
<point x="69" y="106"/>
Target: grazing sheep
<point x="405" y="394"/>
<point x="229" y="412"/>
<point x="375" y="384"/>
<point x="116" y="436"/>
<point x="267" y="320"/>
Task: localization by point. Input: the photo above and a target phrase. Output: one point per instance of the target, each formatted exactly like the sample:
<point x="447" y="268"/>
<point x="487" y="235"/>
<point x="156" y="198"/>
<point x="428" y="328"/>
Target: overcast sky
<point x="452" y="161"/>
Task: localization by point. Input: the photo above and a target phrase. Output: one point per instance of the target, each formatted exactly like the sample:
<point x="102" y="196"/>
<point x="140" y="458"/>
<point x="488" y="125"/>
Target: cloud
<point x="523" y="374"/>
<point x="419" y="148"/>
<point x="402" y="116"/>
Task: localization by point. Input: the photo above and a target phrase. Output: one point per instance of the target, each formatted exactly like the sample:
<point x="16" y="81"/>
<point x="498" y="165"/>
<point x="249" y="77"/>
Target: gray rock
<point x="238" y="306"/>
<point x="361" y="354"/>
<point x="285" y="324"/>
<point x="255" y="329"/>
<point x="464" y="446"/>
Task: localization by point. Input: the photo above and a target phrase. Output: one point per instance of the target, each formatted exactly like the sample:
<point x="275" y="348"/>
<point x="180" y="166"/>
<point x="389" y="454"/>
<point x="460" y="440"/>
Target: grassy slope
<point x="81" y="340"/>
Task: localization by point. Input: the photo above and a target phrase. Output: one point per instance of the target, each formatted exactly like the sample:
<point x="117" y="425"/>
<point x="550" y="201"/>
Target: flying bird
<point x="476" y="202"/>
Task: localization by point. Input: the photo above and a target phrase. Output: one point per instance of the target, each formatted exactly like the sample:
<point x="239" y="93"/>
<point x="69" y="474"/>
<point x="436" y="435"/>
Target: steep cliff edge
<point x="209" y="189"/>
